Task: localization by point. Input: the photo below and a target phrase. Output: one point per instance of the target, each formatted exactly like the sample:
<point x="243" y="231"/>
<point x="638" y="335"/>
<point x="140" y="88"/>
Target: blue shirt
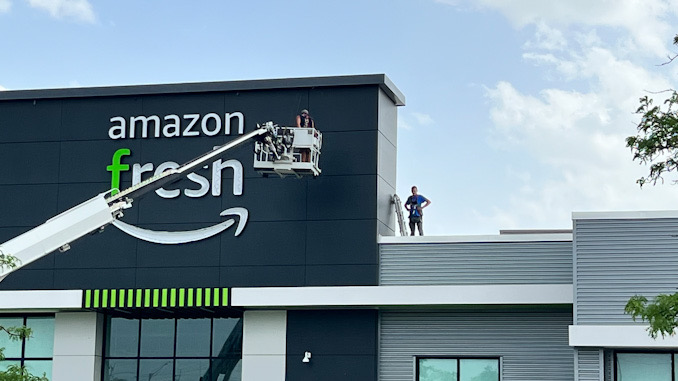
<point x="414" y="203"/>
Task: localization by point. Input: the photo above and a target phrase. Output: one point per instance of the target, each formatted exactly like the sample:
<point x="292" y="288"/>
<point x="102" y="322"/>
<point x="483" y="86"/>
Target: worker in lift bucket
<point x="415" y="204"/>
<point x="305" y="120"/>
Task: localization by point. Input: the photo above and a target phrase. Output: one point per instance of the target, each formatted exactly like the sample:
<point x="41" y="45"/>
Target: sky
<point x="516" y="111"/>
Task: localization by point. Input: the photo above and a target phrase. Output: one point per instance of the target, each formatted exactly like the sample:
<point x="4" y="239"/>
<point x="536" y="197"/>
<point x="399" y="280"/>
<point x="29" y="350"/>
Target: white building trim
<point x="401" y="295"/>
<point x="553" y="237"/>
<point x="617" y="336"/>
<point x="50" y="300"/>
<point x="264" y="346"/>
<point x="625" y="215"/>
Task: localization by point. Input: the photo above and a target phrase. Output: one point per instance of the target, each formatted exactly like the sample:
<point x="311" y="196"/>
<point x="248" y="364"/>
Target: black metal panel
<point x="279" y="244"/>
<point x="268" y="199"/>
<point x="30" y="121"/>
<point x="85" y="253"/>
<point x="349" y="153"/>
<point x="342" y="198"/>
<point x="348" y="275"/>
<point x="86" y="161"/>
<point x="67" y="279"/>
<point x="262" y="276"/>
<point x="341" y="242"/>
<point x="37" y="279"/>
<point x="204" y="253"/>
<point x="176" y="276"/>
<point x="343" y="345"/>
<point x="29" y="163"/>
<point x="310" y="231"/>
<point x="348" y="108"/>
<point x="89" y="118"/>
<point x="27" y="205"/>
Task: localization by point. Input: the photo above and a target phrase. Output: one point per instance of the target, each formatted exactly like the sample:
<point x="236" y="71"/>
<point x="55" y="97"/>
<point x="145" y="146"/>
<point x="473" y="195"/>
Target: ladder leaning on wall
<point x="398" y="205"/>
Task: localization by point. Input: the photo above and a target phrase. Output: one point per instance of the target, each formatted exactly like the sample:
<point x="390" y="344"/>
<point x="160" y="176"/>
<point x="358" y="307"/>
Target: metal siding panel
<point x="616" y="259"/>
<point x="532" y="345"/>
<point x="476" y="263"/>
<point x="589" y="365"/>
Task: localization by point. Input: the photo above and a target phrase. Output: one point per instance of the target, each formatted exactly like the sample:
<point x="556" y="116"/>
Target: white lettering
<point x="241" y="122"/>
<point x="205" y="121"/>
<point x="204" y="186"/>
<point x="210" y="125"/>
<point x="137" y="170"/>
<point x="217" y="167"/>
<point x="187" y="130"/>
<point x="144" y="125"/>
<point x="120" y="134"/>
<point x="172" y="129"/>
<point x="164" y="193"/>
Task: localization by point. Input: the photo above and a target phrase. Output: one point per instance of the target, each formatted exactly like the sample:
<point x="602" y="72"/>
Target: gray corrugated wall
<point x="589" y="365"/>
<point x="532" y="345"/>
<point x="616" y="259"/>
<point x="476" y="263"/>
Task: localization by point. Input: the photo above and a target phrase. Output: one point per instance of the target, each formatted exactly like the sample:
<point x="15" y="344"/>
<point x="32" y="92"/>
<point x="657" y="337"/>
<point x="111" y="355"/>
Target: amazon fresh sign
<point x="172" y="126"/>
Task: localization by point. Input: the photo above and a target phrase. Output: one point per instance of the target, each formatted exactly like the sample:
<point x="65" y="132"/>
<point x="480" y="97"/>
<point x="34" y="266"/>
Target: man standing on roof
<point x="415" y="204"/>
<point x="305" y="120"/>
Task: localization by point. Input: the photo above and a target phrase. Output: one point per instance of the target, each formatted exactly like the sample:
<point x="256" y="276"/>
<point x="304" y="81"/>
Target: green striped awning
<point x="133" y="298"/>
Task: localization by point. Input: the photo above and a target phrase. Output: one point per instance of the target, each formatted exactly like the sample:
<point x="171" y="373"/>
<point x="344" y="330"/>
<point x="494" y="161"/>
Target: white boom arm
<point x="92" y="215"/>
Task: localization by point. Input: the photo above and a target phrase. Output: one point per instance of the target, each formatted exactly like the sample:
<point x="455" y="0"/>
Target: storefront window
<point x="644" y="367"/>
<point x="34" y="353"/>
<point x="173" y="349"/>
<point x="457" y="369"/>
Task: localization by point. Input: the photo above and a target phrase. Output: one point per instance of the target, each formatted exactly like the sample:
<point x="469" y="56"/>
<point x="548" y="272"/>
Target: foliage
<point x="15" y="372"/>
<point x="660" y="313"/>
<point x="656" y="143"/>
<point x="19" y="373"/>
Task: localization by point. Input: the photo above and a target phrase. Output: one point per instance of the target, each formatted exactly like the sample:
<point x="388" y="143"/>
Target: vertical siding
<point x="616" y="259"/>
<point x="476" y="263"/>
<point x="589" y="365"/>
<point x="532" y="345"/>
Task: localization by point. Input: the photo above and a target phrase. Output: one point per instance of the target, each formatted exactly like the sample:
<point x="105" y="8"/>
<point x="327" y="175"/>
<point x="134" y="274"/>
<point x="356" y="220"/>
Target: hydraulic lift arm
<point x="92" y="215"/>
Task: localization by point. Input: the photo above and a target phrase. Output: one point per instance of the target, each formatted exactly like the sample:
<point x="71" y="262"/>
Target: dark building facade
<point x="290" y="278"/>
<point x="65" y="146"/>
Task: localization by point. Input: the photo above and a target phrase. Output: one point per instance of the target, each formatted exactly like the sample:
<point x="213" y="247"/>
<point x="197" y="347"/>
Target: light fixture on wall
<point x="307" y="357"/>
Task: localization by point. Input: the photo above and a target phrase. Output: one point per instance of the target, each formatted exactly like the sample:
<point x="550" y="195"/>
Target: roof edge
<point x="554" y="237"/>
<point x="193" y="87"/>
<point x="625" y="215"/>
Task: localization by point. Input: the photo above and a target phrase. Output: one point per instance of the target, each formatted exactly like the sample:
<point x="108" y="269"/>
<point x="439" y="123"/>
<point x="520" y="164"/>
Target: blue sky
<point x="516" y="110"/>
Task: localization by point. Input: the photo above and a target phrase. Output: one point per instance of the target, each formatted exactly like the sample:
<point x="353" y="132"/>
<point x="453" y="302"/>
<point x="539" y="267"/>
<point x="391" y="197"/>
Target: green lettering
<point x="116" y="167"/>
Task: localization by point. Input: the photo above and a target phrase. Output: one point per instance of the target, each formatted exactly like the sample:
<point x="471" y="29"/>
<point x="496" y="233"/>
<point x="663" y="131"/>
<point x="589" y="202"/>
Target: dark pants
<point x="418" y="223"/>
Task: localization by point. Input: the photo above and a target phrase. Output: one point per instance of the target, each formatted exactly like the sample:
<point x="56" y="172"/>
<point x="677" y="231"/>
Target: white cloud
<point x="423" y="119"/>
<point x="577" y="138"/>
<point x="646" y="22"/>
<point x="2" y="88"/>
<point x="547" y="38"/>
<point x="414" y="121"/>
<point x="5" y="6"/>
<point x="80" y="10"/>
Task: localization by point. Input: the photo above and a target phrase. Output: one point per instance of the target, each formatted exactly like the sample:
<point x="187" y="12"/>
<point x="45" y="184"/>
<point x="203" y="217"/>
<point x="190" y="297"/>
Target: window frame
<point x="674" y="376"/>
<point x="138" y="358"/>
<point x="22" y="359"/>
<point x="458" y="359"/>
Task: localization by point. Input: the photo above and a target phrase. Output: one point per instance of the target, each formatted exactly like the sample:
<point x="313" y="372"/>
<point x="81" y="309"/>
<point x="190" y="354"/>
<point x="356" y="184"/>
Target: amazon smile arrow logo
<point x="175" y="238"/>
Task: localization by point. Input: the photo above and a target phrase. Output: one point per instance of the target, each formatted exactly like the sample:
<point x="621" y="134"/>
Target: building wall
<point x="532" y="345"/>
<point x="56" y="145"/>
<point x="343" y="345"/>
<point x="617" y="258"/>
<point x="589" y="364"/>
<point x="460" y="263"/>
